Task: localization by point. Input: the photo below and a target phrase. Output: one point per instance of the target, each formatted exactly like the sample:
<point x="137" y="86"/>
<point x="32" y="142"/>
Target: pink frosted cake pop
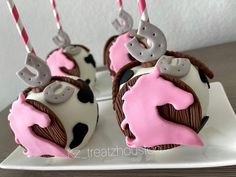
<point x="161" y="100"/>
<point x="56" y="117"/>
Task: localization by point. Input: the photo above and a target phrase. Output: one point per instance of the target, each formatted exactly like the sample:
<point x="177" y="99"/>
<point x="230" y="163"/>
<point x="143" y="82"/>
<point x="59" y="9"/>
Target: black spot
<point x="90" y="59"/>
<point x="85" y="94"/>
<point x="126" y="76"/>
<point x="97" y="113"/>
<point x="203" y="122"/>
<point x="79" y="132"/>
<point x="203" y="77"/>
<point x="87" y="81"/>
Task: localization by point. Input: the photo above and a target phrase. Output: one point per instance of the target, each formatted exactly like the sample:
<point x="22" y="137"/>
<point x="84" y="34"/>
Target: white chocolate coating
<point x="87" y="70"/>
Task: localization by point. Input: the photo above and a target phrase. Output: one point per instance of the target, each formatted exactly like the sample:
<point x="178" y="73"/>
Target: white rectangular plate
<point x="107" y="149"/>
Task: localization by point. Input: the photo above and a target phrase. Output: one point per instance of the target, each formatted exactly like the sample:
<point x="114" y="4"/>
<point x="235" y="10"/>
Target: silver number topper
<point x="155" y="37"/>
<point x="51" y="97"/>
<point x="42" y="76"/>
<point x="178" y="67"/>
<point x="62" y="39"/>
<point x="124" y="22"/>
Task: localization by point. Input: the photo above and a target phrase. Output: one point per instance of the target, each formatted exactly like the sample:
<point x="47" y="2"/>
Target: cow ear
<point x="21" y="97"/>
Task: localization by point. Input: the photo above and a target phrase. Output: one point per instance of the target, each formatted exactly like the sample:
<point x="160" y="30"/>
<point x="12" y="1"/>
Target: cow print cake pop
<point x="115" y="53"/>
<point x="161" y="102"/>
<point x="55" y="118"/>
<point x="71" y="60"/>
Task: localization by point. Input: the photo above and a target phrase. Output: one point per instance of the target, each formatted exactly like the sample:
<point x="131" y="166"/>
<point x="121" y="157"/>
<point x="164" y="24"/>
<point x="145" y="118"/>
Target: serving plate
<point x="103" y="86"/>
<point x="107" y="149"/>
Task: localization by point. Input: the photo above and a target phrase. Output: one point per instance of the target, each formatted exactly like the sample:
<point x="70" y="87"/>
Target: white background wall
<point x="187" y="24"/>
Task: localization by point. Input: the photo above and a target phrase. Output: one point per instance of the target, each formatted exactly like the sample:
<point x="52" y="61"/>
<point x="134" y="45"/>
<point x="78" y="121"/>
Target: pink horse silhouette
<point x="56" y="61"/>
<point x="119" y="55"/>
<point x="144" y="121"/>
<point x="22" y="117"/>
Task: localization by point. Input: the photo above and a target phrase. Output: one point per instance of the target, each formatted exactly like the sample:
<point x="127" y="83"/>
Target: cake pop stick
<point x="56" y="14"/>
<point x="42" y="74"/>
<point x="143" y="10"/>
<point x="62" y="39"/>
<point x="20" y="27"/>
<point x="124" y="22"/>
<point x="120" y="3"/>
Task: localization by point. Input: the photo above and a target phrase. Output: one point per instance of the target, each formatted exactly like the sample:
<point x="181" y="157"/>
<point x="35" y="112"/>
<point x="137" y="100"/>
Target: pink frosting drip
<point x="141" y="114"/>
<point x="118" y="52"/>
<point x="22" y="117"/>
<point x="56" y="61"/>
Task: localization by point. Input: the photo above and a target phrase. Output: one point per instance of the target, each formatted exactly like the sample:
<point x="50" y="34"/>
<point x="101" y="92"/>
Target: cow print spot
<point x="203" y="122"/>
<point x="90" y="59"/>
<point x="203" y="77"/>
<point x="97" y="113"/>
<point x="126" y="76"/>
<point x="85" y="94"/>
<point x="87" y="81"/>
<point x="79" y="132"/>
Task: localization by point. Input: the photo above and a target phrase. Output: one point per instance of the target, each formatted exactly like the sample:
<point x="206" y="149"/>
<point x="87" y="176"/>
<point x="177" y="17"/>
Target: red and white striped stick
<point x="56" y="14"/>
<point x="120" y="4"/>
<point x="20" y="27"/>
<point x="143" y="10"/>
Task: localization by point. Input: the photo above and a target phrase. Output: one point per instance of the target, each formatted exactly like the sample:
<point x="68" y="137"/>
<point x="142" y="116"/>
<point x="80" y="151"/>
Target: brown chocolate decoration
<point x="74" y="71"/>
<point x="107" y="47"/>
<point x="55" y="132"/>
<point x="190" y="117"/>
<point x="149" y="64"/>
<point x="106" y="53"/>
<point x="116" y="82"/>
